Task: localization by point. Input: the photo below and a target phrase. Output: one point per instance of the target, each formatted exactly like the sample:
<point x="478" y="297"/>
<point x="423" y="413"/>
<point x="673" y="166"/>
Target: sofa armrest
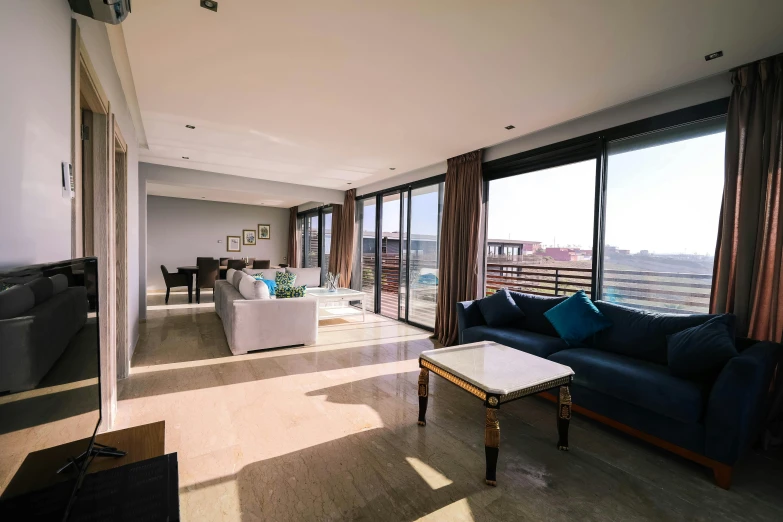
<point x="273" y="323"/>
<point x="739" y="401"/>
<point x="468" y="316"/>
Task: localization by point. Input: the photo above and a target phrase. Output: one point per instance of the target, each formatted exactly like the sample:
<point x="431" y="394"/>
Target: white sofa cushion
<point x="268" y="273"/>
<point x="252" y="289"/>
<point x="237" y="277"/>
<point x="230" y="275"/>
<point x="311" y="277"/>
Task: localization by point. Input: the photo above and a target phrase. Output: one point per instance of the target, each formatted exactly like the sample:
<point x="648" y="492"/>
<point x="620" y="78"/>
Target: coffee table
<point x="497" y="374"/>
<point x="323" y="295"/>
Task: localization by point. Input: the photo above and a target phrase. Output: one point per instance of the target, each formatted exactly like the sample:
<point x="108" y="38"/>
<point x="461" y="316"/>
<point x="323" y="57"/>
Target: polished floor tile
<point x="328" y="432"/>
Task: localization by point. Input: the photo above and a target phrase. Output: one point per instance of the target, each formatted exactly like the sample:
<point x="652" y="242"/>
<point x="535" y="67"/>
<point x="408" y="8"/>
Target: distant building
<point x="512" y="247"/>
<point x="644" y="252"/>
<point x="568" y="254"/>
<point x="624" y="252"/>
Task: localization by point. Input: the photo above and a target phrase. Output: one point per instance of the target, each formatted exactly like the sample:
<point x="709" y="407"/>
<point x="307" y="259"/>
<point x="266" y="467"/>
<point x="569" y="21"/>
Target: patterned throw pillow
<point x="284" y="292"/>
<point x="285" y="279"/>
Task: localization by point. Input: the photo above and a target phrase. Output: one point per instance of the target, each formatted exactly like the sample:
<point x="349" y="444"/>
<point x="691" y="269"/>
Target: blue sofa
<point x="622" y="378"/>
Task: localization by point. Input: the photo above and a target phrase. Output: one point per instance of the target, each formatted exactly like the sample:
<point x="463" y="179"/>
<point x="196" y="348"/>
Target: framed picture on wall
<point x="264" y="231"/>
<point x="248" y="237"/>
<point x="233" y="243"/>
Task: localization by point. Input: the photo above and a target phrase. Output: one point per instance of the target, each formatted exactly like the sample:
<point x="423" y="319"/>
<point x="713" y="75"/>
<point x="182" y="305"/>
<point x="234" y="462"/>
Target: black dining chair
<point x="236" y="264"/>
<point x="207" y="273"/>
<point x="261" y="263"/>
<point x="173" y="280"/>
<point x="283" y="265"/>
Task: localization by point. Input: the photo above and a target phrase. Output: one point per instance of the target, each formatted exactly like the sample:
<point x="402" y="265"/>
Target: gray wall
<point x="35" y="134"/>
<point x="180" y="230"/>
<point x="702" y="91"/>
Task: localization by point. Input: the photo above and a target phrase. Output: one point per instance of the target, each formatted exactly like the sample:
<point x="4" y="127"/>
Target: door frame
<point x="109" y="218"/>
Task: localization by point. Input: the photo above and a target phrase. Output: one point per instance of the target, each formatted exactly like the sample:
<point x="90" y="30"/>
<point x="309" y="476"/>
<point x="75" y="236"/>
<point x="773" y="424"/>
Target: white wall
<point x="709" y="89"/>
<point x="180" y="230"/>
<point x="35" y="133"/>
<point x="35" y="130"/>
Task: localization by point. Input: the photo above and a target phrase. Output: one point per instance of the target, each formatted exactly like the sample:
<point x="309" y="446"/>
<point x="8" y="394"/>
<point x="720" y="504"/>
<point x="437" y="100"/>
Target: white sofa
<point x="260" y="324"/>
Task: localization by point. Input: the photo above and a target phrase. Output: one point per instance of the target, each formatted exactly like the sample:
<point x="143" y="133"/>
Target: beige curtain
<point x="747" y="274"/>
<point x="293" y="238"/>
<point x="341" y="257"/>
<point x="461" y="242"/>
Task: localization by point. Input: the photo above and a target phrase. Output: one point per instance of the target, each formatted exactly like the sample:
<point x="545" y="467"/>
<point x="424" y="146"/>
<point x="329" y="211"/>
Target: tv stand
<point x="97" y="450"/>
<point x="39" y="468"/>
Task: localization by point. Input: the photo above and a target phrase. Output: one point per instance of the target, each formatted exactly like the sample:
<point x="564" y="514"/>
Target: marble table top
<point x="495" y="368"/>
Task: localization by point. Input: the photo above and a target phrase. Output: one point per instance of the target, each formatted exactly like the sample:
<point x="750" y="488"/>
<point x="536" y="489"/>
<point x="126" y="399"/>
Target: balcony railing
<point x="655" y="291"/>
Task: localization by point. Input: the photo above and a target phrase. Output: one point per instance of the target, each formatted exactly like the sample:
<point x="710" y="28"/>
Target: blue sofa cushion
<point x="577" y="318"/>
<point x="534" y="307"/>
<point x="647" y="385"/>
<point x="499" y="309"/>
<point x="530" y="342"/>
<point x="702" y="351"/>
<point x="642" y="334"/>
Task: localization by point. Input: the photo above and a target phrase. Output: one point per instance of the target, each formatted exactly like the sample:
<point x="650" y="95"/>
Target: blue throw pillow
<point x="577" y="318"/>
<point x="499" y="309"/>
<point x="269" y="283"/>
<point x="700" y="353"/>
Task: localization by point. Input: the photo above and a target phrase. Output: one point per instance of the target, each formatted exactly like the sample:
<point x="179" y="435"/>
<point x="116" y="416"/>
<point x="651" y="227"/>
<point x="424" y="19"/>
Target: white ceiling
<point x="330" y="93"/>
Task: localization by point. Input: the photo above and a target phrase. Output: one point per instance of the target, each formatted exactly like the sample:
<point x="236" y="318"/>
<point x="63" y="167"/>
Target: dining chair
<point x="224" y="262"/>
<point x="261" y="263"/>
<point x="207" y="273"/>
<point x="236" y="264"/>
<point x="173" y="280"/>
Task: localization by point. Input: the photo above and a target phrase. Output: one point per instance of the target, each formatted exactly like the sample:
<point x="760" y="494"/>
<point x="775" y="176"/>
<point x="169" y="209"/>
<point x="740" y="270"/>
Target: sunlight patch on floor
<point x="434" y="478"/>
<point x="458" y="511"/>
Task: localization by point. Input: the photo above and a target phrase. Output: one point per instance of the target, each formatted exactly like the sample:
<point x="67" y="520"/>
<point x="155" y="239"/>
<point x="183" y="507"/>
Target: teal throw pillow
<point x="269" y="283"/>
<point x="285" y="279"/>
<point x="285" y="292"/>
<point x="700" y="353"/>
<point x="577" y="318"/>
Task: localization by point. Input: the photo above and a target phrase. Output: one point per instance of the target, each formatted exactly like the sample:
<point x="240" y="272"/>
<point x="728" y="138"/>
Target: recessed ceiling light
<point x="392" y="168"/>
<point x="190" y="126"/>
<point x="509" y="127"/>
<point x="185" y="157"/>
<point x="212" y="5"/>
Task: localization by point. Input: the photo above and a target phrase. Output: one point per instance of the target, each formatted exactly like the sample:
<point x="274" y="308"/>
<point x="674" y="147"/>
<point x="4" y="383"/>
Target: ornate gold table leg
<point x="424" y="392"/>
<point x="491" y="445"/>
<point x="563" y="417"/>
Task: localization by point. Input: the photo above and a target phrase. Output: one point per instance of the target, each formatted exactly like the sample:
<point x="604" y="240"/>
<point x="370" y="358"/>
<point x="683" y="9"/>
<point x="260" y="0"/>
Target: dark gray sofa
<point x="622" y="378"/>
<point x="37" y="322"/>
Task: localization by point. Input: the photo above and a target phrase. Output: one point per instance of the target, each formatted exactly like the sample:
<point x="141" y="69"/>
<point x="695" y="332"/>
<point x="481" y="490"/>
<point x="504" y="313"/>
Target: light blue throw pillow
<point x="577" y="318"/>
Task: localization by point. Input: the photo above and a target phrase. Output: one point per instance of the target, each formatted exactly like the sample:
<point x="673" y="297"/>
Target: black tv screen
<point x="49" y="362"/>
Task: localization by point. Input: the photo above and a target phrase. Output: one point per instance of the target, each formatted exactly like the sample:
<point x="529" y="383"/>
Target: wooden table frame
<point x="492" y="402"/>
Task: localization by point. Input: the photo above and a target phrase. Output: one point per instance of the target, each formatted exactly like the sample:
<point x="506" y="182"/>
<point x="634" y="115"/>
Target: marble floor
<point x="328" y="432"/>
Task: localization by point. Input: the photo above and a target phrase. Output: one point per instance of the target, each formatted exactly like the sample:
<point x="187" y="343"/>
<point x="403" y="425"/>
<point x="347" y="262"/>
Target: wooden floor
<point x="329" y="432"/>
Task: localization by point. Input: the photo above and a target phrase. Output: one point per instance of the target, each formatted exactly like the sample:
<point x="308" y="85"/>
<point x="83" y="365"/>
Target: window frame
<point x="591" y="146"/>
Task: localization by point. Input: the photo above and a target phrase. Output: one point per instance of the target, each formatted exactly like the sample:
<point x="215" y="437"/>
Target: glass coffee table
<point x="497" y="374"/>
<point x="341" y="295"/>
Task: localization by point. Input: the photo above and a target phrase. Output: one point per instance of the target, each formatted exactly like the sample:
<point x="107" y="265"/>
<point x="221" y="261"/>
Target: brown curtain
<point x="341" y="257"/>
<point x="461" y="242"/>
<point x="293" y="238"/>
<point x="747" y="274"/>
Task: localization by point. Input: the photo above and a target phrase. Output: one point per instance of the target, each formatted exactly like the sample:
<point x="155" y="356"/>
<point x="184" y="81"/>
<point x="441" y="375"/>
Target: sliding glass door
<point x="402" y="279"/>
<point x="426" y="210"/>
<point x="310" y="240"/>
<point x="326" y="241"/>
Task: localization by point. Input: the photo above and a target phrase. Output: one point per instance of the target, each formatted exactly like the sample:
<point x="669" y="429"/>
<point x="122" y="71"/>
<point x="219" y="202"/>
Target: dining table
<point x="191" y="272"/>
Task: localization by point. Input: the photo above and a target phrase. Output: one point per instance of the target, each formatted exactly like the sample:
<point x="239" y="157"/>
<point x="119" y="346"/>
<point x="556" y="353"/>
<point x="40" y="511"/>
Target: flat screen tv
<point x="49" y="368"/>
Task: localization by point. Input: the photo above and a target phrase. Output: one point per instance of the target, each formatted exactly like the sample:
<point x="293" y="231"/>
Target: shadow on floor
<point x="401" y="471"/>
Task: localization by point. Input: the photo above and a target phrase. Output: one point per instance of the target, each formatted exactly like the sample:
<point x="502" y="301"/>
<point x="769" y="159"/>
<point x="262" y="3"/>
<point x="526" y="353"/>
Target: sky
<point x="665" y="199"/>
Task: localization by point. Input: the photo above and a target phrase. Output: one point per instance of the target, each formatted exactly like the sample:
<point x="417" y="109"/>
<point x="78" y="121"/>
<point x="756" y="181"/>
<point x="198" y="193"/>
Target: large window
<point x="310" y="240"/>
<point x="366" y="210"/>
<point x="664" y="192"/>
<point x="326" y="245"/>
<point x="540" y="230"/>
